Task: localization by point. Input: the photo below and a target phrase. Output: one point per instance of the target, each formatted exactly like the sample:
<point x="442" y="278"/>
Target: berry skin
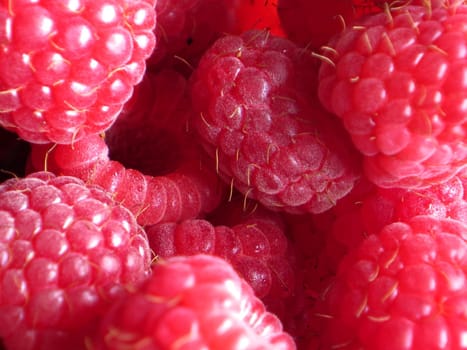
<point x="368" y="208"/>
<point x="256" y="116"/>
<point x="395" y="80"/>
<point x="194" y="302"/>
<point x="191" y="190"/>
<point x="147" y="159"/>
<point x="255" y="243"/>
<point x="307" y="26"/>
<point x="67" y="68"/>
<point x="403" y="288"/>
<point x="67" y="251"/>
<point x="256" y="247"/>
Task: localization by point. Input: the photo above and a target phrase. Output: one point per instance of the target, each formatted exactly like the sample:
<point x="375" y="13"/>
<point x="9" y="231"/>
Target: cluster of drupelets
<point x="159" y="160"/>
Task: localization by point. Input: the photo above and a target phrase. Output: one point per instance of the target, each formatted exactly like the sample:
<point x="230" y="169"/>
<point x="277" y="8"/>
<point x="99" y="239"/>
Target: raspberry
<point x="185" y="193"/>
<point x="195" y="302"/>
<point x="66" y="68"/>
<point x="256" y="247"/>
<point x="395" y="82"/>
<point x="325" y="238"/>
<point x="67" y="252"/>
<point x="256" y="116"/>
<point x="403" y="288"/>
<point x="322" y="241"/>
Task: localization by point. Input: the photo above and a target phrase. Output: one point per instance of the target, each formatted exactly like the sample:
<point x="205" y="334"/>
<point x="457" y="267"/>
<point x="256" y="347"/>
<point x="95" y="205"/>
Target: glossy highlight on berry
<point x="63" y="57"/>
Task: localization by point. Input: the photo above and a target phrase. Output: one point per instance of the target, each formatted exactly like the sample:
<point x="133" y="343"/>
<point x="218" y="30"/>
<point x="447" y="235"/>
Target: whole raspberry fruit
<point x="67" y="67"/>
<point x="67" y="251"/>
<point x="403" y="288"/>
<point x="258" y="118"/>
<point x="194" y="302"/>
<point x="396" y="81"/>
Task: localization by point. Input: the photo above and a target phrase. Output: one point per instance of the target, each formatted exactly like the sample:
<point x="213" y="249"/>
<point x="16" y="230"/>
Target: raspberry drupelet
<point x="191" y="302"/>
<point x="67" y="252"/>
<point x="185" y="193"/>
<point x="403" y="288"/>
<point x="67" y="67"/>
<point x="396" y="80"/>
<point x="147" y="159"/>
<point x="257" y="115"/>
<point x="368" y="208"/>
<point x="13" y="155"/>
<point x="257" y="247"/>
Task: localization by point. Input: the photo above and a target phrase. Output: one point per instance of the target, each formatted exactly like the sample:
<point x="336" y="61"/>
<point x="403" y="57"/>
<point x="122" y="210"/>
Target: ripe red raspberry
<point x="404" y="288"/>
<point x="367" y="209"/>
<point x="191" y="190"/>
<point x="66" y="68"/>
<point x="195" y="302"/>
<point x="67" y="251"/>
<point x="396" y="81"/>
<point x="323" y="240"/>
<point x="256" y="247"/>
<point x="258" y="118"/>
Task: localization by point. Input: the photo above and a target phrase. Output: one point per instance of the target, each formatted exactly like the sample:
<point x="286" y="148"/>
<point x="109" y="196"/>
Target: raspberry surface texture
<point x="67" y="251"/>
<point x="233" y="175"/>
<point x="195" y="302"/>
<point x="256" y="115"/>
<point x="67" y="67"/>
<point x="396" y="81"/>
<point x="257" y="247"/>
<point x="191" y="190"/>
<point x="403" y="288"/>
<point x="368" y="208"/>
